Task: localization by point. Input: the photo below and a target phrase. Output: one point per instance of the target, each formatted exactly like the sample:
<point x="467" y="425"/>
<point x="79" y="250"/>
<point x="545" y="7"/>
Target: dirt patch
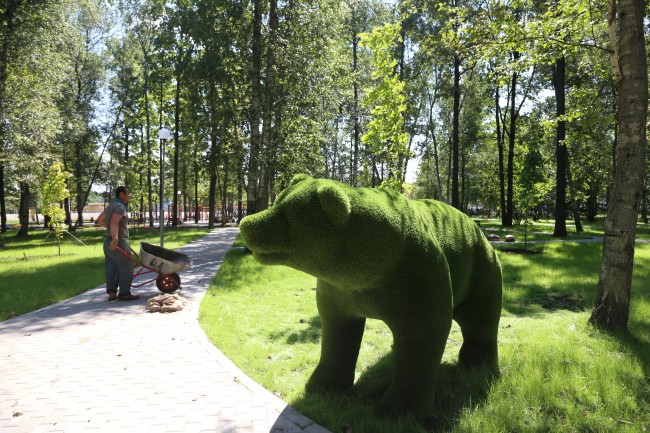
<point x="519" y="251"/>
<point x="560" y="301"/>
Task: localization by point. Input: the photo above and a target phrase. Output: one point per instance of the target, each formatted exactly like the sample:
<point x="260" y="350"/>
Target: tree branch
<point x="611" y="26"/>
<point x="99" y="161"/>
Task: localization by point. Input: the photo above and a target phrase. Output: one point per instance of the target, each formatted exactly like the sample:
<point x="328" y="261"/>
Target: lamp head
<point x="164" y="134"/>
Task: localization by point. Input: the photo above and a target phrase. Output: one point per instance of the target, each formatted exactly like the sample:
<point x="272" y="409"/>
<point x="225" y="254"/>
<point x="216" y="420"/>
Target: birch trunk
<point x="629" y="63"/>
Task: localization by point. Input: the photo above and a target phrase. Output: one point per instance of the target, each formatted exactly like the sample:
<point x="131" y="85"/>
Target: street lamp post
<point x="177" y="212"/>
<point x="163" y="135"/>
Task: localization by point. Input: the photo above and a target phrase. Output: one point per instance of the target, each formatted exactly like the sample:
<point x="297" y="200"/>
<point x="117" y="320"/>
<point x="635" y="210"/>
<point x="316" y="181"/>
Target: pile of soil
<point x="166" y="303"/>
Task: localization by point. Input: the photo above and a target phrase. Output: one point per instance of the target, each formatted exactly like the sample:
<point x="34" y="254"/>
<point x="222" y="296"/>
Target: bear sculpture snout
<point x="266" y="236"/>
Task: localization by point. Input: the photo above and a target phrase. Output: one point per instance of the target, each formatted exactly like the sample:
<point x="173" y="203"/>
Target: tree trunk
<point x="512" y="133"/>
<point x="561" y="153"/>
<point x="196" y="189"/>
<point x="214" y="157"/>
<point x="463" y="186"/>
<point x="455" y="197"/>
<point x="184" y="191"/>
<point x="177" y="147"/>
<point x="506" y="219"/>
<point x="239" y="157"/>
<point x="612" y="306"/>
<point x="449" y="171"/>
<point x="574" y="203"/>
<point x="66" y="208"/>
<point x="437" y="194"/>
<point x="8" y="30"/>
<point x="269" y="103"/>
<point x="436" y="161"/>
<point x="253" y="159"/>
<point x="148" y="138"/>
<point x="126" y="154"/>
<point x="355" y="108"/>
<point x="3" y="209"/>
<point x="141" y="216"/>
<point x="644" y="205"/>
<point x="224" y="194"/>
<point x="240" y="194"/>
<point x="211" y="198"/>
<point x="23" y="211"/>
<point x="592" y="203"/>
<point x="78" y="186"/>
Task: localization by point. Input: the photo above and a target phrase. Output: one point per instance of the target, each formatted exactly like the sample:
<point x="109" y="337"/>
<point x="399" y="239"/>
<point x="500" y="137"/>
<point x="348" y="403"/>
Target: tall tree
<point x="561" y="153"/>
<point x="630" y="66"/>
<point x="80" y="94"/>
<point x="269" y="110"/>
<point x="255" y="140"/>
<point x="176" y="41"/>
<point x="143" y="21"/>
<point x="30" y="119"/>
<point x="16" y="16"/>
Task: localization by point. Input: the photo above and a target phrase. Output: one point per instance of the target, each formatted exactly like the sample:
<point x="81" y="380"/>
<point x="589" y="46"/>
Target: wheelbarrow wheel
<point x="168" y="283"/>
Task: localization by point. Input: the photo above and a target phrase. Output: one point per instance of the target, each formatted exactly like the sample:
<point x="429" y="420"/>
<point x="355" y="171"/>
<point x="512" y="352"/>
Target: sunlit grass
<point x="557" y="374"/>
<point x="34" y="275"/>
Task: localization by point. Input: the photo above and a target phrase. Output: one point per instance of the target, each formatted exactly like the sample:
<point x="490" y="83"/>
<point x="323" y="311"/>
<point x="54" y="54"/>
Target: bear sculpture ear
<point x="335" y="203"/>
<point x="299" y="178"/>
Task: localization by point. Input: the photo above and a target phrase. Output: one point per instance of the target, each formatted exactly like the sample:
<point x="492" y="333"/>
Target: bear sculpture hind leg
<point x="417" y="351"/>
<point x="479" y="322"/>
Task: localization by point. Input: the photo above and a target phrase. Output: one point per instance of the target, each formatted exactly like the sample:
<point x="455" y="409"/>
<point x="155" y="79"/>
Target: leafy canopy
<point x="386" y="137"/>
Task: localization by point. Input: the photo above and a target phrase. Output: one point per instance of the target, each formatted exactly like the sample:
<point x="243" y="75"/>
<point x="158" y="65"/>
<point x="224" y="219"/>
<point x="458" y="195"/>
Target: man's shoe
<point x="112" y="296"/>
<point x="128" y="297"/>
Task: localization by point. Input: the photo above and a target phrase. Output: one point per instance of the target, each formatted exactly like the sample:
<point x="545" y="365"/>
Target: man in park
<point x="118" y="267"/>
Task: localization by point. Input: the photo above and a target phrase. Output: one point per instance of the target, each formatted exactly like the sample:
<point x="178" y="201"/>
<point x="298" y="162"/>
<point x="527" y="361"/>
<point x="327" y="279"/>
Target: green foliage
<point x="55" y="190"/>
<point x="386" y="137"/>
<point x="397" y="89"/>
<point x="533" y="165"/>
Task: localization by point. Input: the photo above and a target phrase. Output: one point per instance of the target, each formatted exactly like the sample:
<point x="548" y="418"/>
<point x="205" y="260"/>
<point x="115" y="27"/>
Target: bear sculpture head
<point x="311" y="227"/>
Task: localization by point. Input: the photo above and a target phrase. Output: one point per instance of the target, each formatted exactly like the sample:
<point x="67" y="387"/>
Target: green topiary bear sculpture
<point x="415" y="264"/>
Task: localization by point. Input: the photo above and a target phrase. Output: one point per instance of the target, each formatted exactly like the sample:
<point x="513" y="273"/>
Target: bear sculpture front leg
<point x="340" y="342"/>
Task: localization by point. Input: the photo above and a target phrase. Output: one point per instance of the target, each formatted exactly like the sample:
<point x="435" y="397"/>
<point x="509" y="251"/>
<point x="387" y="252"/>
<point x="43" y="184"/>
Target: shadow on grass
<point x="564" y="277"/>
<point x="311" y="334"/>
<point x="457" y="390"/>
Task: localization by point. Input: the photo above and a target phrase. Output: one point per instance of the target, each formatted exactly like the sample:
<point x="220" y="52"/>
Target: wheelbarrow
<point x="161" y="261"/>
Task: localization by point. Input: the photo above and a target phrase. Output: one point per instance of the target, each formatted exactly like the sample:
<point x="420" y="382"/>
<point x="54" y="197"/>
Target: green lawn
<point x="557" y="374"/>
<point x="33" y="274"/>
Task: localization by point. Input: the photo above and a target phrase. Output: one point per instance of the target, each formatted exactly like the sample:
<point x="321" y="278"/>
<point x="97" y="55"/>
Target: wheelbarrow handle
<point x="127" y="255"/>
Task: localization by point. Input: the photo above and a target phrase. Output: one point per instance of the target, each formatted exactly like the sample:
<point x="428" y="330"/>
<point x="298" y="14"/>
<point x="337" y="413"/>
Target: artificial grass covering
<point x="411" y="263"/>
<point x="557" y="374"/>
<point x="33" y="275"/>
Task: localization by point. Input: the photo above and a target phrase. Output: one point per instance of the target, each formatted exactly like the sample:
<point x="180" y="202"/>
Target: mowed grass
<point x="34" y="275"/>
<point x="557" y="374"/>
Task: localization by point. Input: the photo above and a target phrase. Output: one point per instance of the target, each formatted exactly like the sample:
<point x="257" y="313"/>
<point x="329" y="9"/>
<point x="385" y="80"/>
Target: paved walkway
<point x="87" y="365"/>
